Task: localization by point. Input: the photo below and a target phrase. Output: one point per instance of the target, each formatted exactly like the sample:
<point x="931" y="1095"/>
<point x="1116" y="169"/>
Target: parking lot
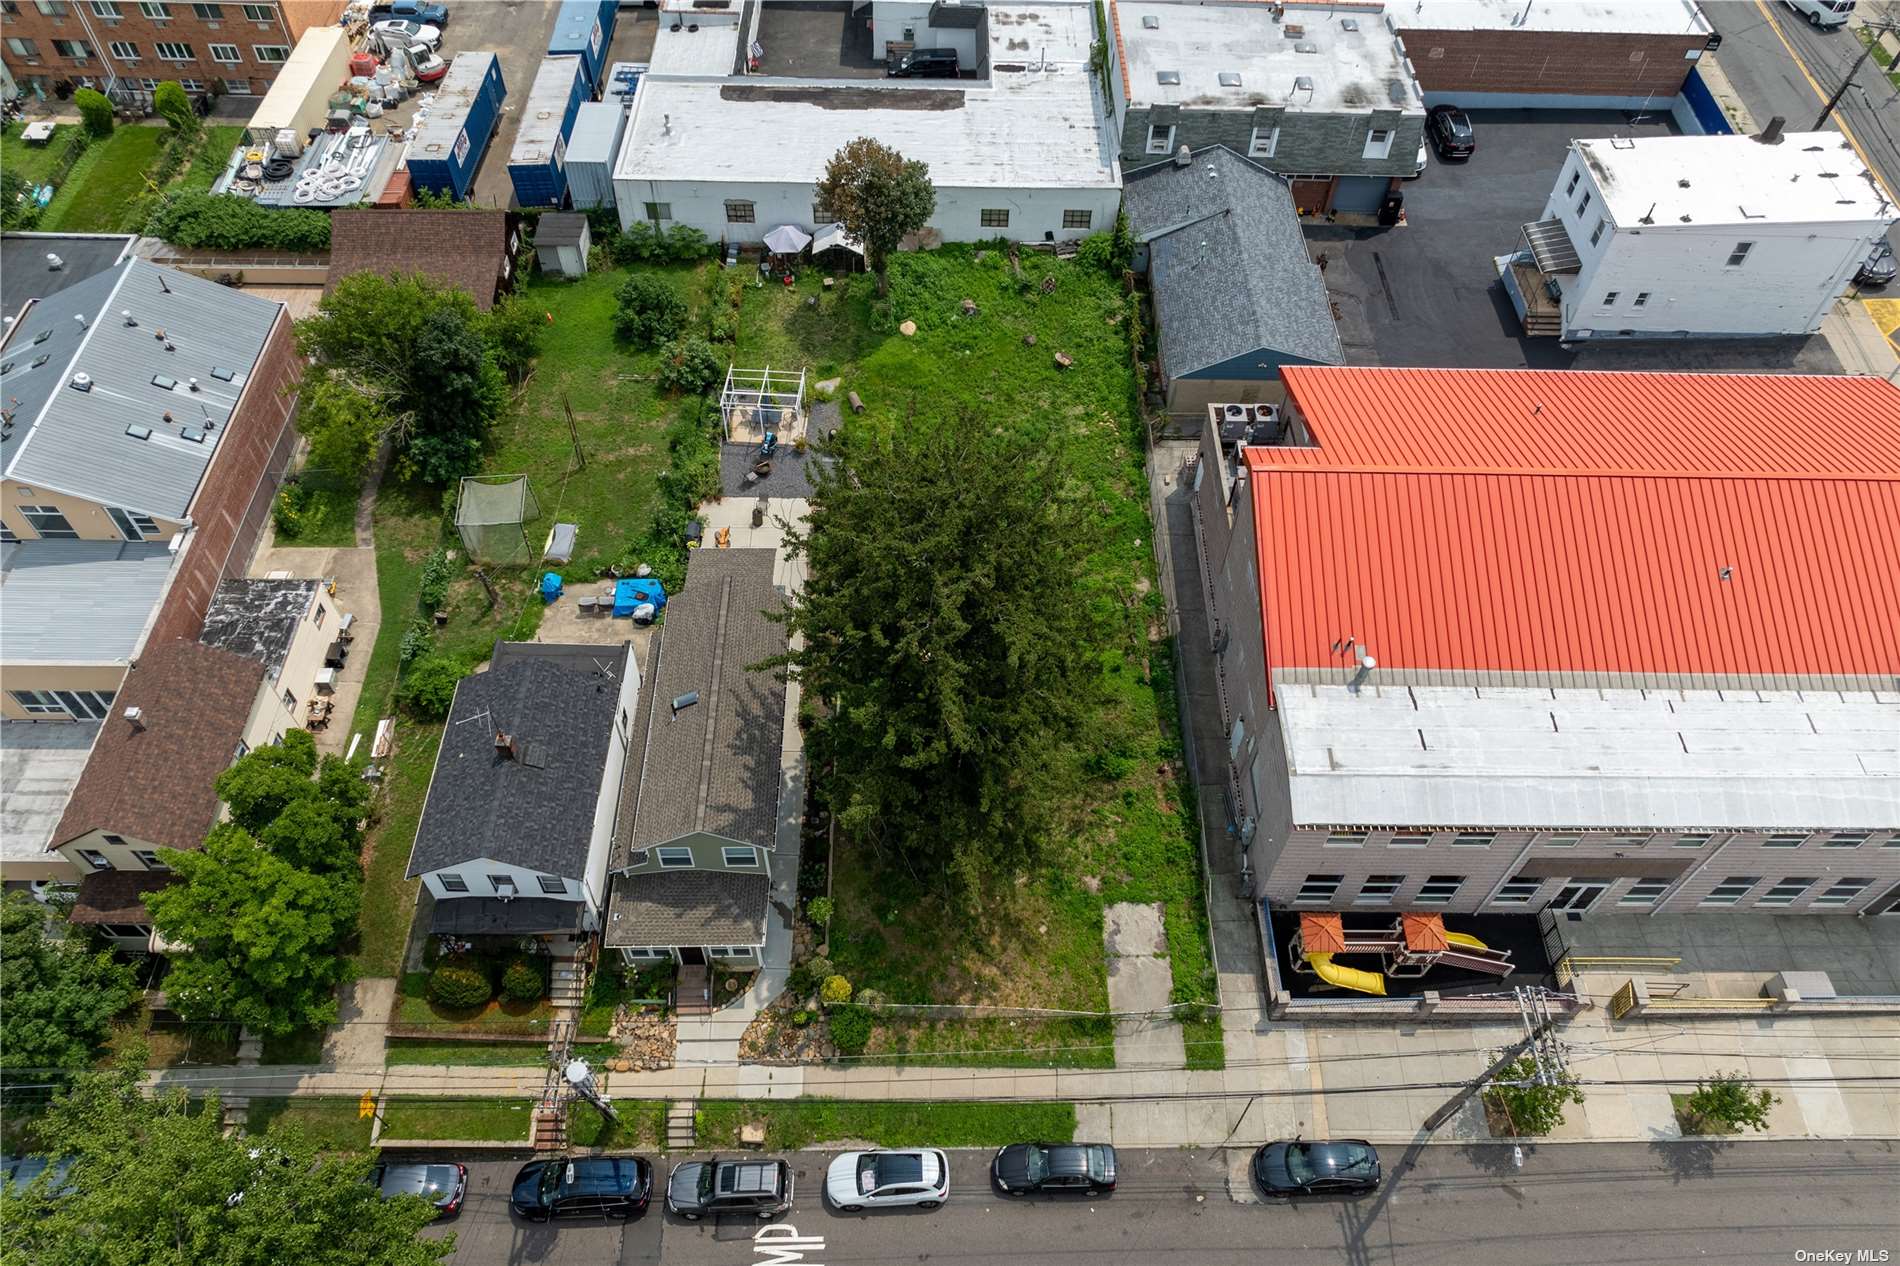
<point x="1427" y="293"/>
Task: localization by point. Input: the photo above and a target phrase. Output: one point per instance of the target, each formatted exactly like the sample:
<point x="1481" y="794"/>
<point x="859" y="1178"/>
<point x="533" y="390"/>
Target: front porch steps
<point x="568" y="984"/>
<point x="550" y="1127"/>
<point x="693" y="992"/>
<point x="682" y="1135"/>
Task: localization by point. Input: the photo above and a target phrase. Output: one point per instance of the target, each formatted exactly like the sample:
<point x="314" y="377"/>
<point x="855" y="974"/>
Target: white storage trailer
<point x="591" y="151"/>
<point x="299" y="98"/>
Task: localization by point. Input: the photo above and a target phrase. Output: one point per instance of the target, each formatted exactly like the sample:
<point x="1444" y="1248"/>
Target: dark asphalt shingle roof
<point x="464" y="249"/>
<point x="535" y="810"/>
<point x="117" y="896"/>
<point x="688" y="907"/>
<point x="560" y="228"/>
<point x="524" y="916"/>
<point x="1228" y="263"/>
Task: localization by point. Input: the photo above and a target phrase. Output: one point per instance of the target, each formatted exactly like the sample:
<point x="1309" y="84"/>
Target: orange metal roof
<point x="1446" y="525"/>
<point x="1322" y="934"/>
<point x="1424" y="932"/>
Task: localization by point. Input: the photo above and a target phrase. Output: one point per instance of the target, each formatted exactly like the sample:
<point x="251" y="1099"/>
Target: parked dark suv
<point x="1451" y="132"/>
<point x="589" y="1186"/>
<point x="1082" y="1168"/>
<point x="925" y="63"/>
<point x="757" y="1188"/>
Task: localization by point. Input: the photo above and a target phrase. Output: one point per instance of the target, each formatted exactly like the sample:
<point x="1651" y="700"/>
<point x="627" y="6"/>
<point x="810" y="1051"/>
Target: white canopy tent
<point x="830" y="235"/>
<point x="787" y="239"/>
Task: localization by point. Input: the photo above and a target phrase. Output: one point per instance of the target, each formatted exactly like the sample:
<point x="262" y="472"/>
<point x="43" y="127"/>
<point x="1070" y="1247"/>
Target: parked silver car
<point x="914" y="1177"/>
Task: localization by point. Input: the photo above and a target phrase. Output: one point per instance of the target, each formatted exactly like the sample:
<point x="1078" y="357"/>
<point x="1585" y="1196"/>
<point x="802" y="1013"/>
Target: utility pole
<point x="1452" y="1106"/>
<point x="1877" y="29"/>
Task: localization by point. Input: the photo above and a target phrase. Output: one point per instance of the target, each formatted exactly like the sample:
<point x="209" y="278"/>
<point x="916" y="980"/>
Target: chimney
<point x="505" y="744"/>
<point x="136" y="716"/>
<point x="1184" y="157"/>
<point x="1771" y="135"/>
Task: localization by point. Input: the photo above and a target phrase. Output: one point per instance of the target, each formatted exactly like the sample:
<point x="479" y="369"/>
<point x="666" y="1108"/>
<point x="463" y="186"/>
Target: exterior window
<point x="271" y="53"/>
<point x="1160" y="139"/>
<point x="1078" y="219"/>
<point x="1785" y="839"/>
<point x="1642" y="298"/>
<point x="674" y="858"/>
<point x="237" y="87"/>
<point x="226" y="53"/>
<point x="1319" y="888"/>
<point x="1731" y="890"/>
<point x="659" y="210"/>
<point x="1379" y="890"/>
<point x="1842" y="891"/>
<point x="132" y="525"/>
<point x="1440" y="889"/>
<point x="95" y="859"/>
<point x="1346" y="839"/>
<point x="821" y="214"/>
<point x="504" y="885"/>
<point x="1692" y="841"/>
<point x="78" y="50"/>
<point x="1609" y="298"/>
<point x="730" y="951"/>
<point x="22" y="48"/>
<point x="1643" y="892"/>
<point x="260" y="12"/>
<point x="1518" y="892"/>
<point x="110" y="838"/>
<point x="1596" y="234"/>
<point x="173" y="52"/>
<point x="316" y="615"/>
<point x="1474" y="839"/>
<point x="207" y="12"/>
<point x="552" y="884"/>
<point x="1846" y="839"/>
<point x="290" y="701"/>
<point x="1583" y="204"/>
<point x="1378" y="143"/>
<point x="739" y="213"/>
<point x="1412" y="839"/>
<point x="993" y="217"/>
<point x="80" y="705"/>
<point x="1788" y="891"/>
<point x="37" y="703"/>
<point x="1263" y="142"/>
<point x="1562" y="839"/>
<point x="107" y="9"/>
<point x="740" y="856"/>
<point x="126" y="931"/>
<point x="1575" y="176"/>
<point x="156" y="10"/>
<point x="148" y="858"/>
<point x="1739" y="256"/>
<point x="452" y="883"/>
<point x="645" y="953"/>
<point x="51" y="8"/>
<point x="124" y="50"/>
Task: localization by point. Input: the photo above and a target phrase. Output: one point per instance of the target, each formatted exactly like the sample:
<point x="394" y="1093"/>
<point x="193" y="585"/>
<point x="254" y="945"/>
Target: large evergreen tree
<point x="948" y="641"/>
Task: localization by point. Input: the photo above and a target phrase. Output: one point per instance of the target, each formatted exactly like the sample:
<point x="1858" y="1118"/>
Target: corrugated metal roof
<point x="1552" y="248"/>
<point x="1591" y="759"/>
<point x="78" y="602"/>
<point x="1614" y="527"/>
<point x="181" y="327"/>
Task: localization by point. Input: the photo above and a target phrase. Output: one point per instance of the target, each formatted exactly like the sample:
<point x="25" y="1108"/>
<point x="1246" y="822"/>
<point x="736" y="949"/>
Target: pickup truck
<point x="419" y="11"/>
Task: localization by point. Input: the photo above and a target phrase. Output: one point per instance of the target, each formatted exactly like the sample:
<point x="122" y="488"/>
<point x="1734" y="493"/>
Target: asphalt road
<point x="1459" y="1206"/>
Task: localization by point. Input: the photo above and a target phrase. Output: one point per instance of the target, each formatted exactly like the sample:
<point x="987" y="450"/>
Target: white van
<point x="1822" y="12"/>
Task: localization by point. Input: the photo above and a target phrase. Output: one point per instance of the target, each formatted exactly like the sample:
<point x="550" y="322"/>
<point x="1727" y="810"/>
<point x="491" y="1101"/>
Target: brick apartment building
<point x="131" y="46"/>
<point x="1496" y="641"/>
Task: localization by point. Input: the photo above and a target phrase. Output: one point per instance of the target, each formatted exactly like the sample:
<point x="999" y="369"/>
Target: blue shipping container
<point x="585" y="28"/>
<point x="623" y="79"/>
<point x="537" y="166"/>
<point x="448" y="147"/>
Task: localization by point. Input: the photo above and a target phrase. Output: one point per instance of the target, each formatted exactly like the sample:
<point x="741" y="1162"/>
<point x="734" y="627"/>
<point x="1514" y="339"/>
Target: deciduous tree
<point x="344" y="418"/>
<point x="879" y="196"/>
<point x="454" y="393"/>
<point x="263" y="782"/>
<point x="57" y="997"/>
<point x="1727" y="1102"/>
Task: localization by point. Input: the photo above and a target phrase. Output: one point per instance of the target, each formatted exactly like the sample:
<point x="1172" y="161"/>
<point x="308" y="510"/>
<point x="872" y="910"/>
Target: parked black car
<point x="1023" y="1169"/>
<point x="590" y="1186"/>
<point x="1451" y="132"/>
<point x="925" y="63"/>
<point x="1299" y="1167"/>
<point x="441" y="1185"/>
<point x="1879" y="268"/>
<point x="758" y="1188"/>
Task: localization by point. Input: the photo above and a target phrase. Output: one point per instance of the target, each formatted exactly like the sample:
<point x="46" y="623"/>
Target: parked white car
<point x="916" y="1177"/>
<point x="397" y="31"/>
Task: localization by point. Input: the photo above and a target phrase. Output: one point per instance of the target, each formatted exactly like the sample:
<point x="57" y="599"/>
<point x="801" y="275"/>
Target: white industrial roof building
<point x="1019" y="154"/>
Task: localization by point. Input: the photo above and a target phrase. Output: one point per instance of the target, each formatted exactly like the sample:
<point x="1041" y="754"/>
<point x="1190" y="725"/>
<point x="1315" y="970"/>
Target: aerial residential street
<point x="1460" y="1206"/>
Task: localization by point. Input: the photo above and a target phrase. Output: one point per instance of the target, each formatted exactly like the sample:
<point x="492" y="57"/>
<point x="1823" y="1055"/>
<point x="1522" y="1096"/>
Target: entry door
<point x="1577" y="897"/>
<point x="692" y="956"/>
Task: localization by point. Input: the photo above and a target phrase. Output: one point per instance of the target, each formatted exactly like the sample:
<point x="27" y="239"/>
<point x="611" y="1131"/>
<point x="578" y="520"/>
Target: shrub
<point x="850" y="1029"/>
<point x="523" y="981"/>
<point x="428" y="687"/>
<point x="295" y="512"/>
<point x="836" y="991"/>
<point x="804" y="978"/>
<point x="512" y="330"/>
<point x="172" y="105"/>
<point x="434" y="585"/>
<point x="95" y="110"/>
<point x="801" y="1018"/>
<point x="416" y="640"/>
<point x="723" y="328"/>
<point x="687" y="245"/>
<point x="819" y="910"/>
<point x="1531" y="1108"/>
<point x="459" y="983"/>
<point x="688" y="365"/>
<point x="585" y="1123"/>
<point x="1728" y="1101"/>
<point x="234" y="222"/>
<point x="648" y="310"/>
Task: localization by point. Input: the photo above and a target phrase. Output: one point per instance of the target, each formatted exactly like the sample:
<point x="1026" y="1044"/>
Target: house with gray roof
<point x="519" y="818"/>
<point x="700" y="814"/>
<point x="1236" y="296"/>
<point x="35" y="265"/>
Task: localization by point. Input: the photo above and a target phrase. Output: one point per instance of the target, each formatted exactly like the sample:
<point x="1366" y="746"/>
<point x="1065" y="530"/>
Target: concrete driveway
<point x="1427" y="293"/>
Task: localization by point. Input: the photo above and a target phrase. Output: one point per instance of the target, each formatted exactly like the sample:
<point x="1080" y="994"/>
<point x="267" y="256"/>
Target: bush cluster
<point x="689" y="365"/>
<point x="459" y="982"/>
<point x="523" y="981"/>
<point x="648" y="310"/>
<point x="428" y="687"/>
<point x="295" y="511"/>
<point x="850" y="1029"/>
<point x="233" y="222"/>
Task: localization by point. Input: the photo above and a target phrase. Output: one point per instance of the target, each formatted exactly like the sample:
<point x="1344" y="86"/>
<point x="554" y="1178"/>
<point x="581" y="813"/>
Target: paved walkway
<point x="1140" y="982"/>
<point x="356" y="1044"/>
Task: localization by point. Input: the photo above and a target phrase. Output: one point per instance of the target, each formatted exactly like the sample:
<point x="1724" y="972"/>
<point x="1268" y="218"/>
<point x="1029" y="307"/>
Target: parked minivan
<point x="1822" y="12"/>
<point x="925" y="63"/>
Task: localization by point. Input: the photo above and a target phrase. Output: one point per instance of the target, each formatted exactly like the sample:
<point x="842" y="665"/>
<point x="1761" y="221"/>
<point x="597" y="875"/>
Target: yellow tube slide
<point x="1465" y="939"/>
<point x="1346" y="977"/>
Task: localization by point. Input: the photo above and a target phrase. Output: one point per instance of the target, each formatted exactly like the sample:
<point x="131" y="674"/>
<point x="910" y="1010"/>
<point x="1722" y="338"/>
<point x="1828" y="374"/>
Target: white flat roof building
<point x="1233" y="55"/>
<point x="1809" y="177"/>
<point x="1603" y="17"/>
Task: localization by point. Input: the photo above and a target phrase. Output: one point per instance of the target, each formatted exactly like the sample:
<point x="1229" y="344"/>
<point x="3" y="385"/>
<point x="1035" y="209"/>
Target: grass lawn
<point x="33" y="162"/>
<point x="333" y="1123"/>
<point x="796" y="1123"/>
<point x="642" y="1124"/>
<point x="302" y="1046"/>
<point x="104" y="184"/>
<point x="1881" y="56"/>
<point x="171" y="1045"/>
<point x="1037" y="943"/>
<point x="329" y="518"/>
<point x="209" y="158"/>
<point x="1690" y="1122"/>
<point x="484" y="1120"/>
<point x="484" y="1054"/>
<point x="415" y="1010"/>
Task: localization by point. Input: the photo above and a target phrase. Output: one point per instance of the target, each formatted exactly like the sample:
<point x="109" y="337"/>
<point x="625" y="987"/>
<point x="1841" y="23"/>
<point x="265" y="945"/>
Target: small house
<point x="561" y="243"/>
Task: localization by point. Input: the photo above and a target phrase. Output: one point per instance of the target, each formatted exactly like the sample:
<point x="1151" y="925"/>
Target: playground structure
<point x="1411" y="946"/>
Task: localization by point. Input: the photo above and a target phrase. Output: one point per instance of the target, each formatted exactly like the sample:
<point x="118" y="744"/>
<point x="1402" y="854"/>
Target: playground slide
<point x="1346" y="977"/>
<point x="1466" y="939"/>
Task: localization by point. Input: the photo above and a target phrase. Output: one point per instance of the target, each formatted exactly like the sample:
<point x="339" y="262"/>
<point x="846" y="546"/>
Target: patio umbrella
<point x="787" y="239"/>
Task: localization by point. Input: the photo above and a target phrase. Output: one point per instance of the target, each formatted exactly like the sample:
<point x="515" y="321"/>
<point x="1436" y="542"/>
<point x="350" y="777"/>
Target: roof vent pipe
<point x="1771" y="135"/>
<point x="130" y="320"/>
<point x="136" y="716"/>
<point x="1366" y="664"/>
<point x="192" y="383"/>
<point x="54" y="262"/>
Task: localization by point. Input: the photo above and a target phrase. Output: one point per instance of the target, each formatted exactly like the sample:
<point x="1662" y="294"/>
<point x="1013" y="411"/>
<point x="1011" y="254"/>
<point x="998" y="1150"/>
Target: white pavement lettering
<point x="783" y="1245"/>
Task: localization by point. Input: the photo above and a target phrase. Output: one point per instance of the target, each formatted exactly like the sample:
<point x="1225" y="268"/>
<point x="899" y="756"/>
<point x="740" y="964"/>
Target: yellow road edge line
<point x="1821" y="96"/>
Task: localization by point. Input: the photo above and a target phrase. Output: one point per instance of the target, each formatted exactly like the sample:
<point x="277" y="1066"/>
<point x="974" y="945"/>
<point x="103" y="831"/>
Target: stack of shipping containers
<point x="448" y="147"/>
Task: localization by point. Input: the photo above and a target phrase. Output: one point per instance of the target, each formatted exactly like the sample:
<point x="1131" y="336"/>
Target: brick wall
<point x="77" y="21"/>
<point x="1555" y="62"/>
<point x="229" y="509"/>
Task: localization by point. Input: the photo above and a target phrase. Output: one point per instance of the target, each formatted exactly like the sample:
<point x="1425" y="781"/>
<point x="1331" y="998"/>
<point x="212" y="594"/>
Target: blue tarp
<point x="629" y="594"/>
<point x="550" y="586"/>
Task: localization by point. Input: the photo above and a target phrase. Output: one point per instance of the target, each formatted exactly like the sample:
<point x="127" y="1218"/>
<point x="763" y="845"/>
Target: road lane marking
<point x="1822" y="96"/>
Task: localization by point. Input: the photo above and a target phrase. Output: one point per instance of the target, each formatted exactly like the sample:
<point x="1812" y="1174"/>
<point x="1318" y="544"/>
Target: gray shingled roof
<point x="75" y="441"/>
<point x="79" y="602"/>
<point x="688" y="907"/>
<point x="257" y="618"/>
<point x="535" y="810"/>
<point x="713" y="766"/>
<point x="1228" y="264"/>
